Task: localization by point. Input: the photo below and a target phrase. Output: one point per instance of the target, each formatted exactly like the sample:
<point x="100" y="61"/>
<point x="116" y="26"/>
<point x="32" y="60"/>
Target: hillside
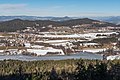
<point x="115" y="20"/>
<point x="110" y="19"/>
<point x="18" y="24"/>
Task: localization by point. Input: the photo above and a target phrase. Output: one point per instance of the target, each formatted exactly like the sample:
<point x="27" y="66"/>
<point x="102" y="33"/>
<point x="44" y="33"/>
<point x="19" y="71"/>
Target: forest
<point x="17" y="24"/>
<point x="71" y="69"/>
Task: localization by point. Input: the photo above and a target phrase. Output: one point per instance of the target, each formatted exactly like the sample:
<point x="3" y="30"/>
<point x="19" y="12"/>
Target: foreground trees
<point x="60" y="70"/>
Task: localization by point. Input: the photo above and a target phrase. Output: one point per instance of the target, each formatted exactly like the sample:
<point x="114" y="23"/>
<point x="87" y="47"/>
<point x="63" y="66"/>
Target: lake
<point x="83" y="55"/>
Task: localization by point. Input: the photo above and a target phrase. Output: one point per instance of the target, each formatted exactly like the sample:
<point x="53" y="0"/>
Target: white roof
<point x="27" y="44"/>
<point x="36" y="46"/>
<point x="60" y="36"/>
<point x="56" y="41"/>
<point x="58" y="44"/>
<point x="1" y="50"/>
<point x="2" y="36"/>
<point x="53" y="41"/>
<point x="90" y="44"/>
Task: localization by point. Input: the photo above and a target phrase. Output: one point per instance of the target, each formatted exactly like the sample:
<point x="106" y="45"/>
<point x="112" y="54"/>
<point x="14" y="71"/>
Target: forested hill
<point x="18" y="24"/>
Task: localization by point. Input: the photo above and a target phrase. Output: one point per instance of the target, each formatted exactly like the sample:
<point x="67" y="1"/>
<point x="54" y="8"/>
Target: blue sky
<point x="60" y="7"/>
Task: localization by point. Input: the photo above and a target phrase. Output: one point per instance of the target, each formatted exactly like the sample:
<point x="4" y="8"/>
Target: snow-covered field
<point x="112" y="57"/>
<point x="1" y="36"/>
<point x="94" y="50"/>
<point x="45" y="51"/>
<point x="1" y="51"/>
<point x="86" y="35"/>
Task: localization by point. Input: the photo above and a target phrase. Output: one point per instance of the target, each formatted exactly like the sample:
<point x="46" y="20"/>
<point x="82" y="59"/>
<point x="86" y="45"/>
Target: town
<point x="59" y="39"/>
<point x="62" y="40"/>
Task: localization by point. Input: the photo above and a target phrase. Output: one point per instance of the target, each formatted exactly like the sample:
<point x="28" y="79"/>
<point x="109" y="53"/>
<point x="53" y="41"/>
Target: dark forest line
<point x="72" y="69"/>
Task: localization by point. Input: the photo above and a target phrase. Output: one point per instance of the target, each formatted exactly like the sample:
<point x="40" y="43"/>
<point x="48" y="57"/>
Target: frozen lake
<point x="72" y="56"/>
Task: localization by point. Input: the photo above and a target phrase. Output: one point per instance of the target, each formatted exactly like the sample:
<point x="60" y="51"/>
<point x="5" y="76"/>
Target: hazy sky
<point x="60" y="7"/>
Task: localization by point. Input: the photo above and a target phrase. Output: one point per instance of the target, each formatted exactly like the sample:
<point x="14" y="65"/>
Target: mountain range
<point x="7" y="18"/>
<point x="110" y="19"/>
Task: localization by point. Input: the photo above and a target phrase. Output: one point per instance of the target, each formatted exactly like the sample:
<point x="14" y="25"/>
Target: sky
<point x="72" y="8"/>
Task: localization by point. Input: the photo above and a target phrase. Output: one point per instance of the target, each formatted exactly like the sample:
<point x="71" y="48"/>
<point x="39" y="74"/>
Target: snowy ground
<point x="45" y="51"/>
<point x="94" y="50"/>
<point x="112" y="57"/>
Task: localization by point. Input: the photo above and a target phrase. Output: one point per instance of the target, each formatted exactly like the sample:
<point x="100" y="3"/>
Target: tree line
<point x="72" y="69"/>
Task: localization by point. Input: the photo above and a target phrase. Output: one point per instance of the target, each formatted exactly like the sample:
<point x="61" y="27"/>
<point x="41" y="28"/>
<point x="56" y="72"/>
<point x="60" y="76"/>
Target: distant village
<point x="62" y="40"/>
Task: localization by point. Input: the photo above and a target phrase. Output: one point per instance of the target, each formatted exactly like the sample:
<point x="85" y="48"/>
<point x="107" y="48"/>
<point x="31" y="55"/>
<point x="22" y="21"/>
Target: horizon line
<point x="60" y="16"/>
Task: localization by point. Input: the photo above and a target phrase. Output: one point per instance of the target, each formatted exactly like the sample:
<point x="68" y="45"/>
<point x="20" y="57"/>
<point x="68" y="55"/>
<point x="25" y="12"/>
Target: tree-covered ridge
<point x="18" y="24"/>
<point x="60" y="70"/>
